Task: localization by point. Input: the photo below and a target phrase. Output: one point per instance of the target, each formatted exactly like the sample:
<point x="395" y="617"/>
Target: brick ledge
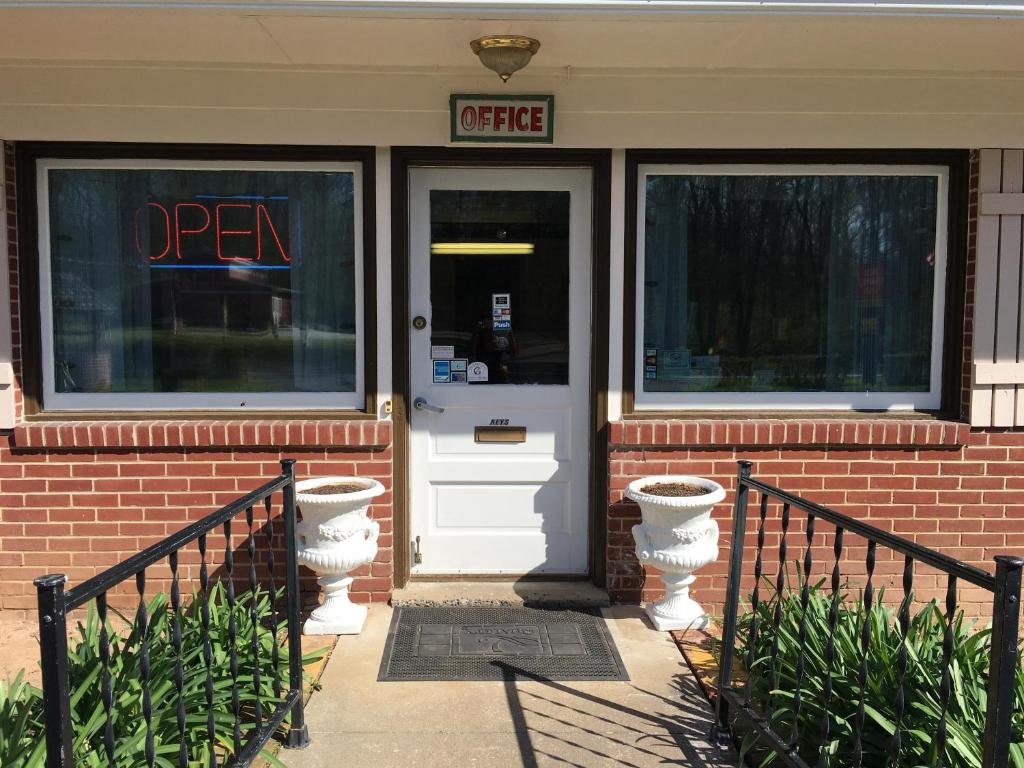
<point x="785" y="433"/>
<point x="95" y="435"/>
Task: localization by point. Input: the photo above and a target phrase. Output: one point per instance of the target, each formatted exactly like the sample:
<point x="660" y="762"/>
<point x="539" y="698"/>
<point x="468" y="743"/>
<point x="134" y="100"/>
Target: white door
<point x="500" y="271"/>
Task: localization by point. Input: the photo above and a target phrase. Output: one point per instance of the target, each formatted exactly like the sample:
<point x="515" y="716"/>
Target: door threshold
<point x="530" y="592"/>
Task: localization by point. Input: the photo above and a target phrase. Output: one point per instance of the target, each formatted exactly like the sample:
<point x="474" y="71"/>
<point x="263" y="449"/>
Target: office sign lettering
<point x="516" y="119"/>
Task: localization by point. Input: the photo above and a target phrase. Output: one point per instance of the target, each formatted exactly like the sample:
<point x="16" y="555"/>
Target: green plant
<point x="21" y="727"/>
<point x="20" y="723"/>
<point x="968" y="670"/>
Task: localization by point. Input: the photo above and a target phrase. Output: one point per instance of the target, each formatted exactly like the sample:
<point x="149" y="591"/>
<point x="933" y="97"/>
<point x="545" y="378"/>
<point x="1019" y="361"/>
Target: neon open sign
<point x="211" y="232"/>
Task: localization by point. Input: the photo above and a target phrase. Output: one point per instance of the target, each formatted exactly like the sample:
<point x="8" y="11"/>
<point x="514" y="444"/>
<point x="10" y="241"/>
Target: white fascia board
<point x="461" y="8"/>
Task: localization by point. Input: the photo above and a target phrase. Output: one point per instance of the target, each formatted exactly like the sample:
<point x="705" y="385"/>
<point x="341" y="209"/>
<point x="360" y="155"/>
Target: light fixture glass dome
<point x="505" y="54"/>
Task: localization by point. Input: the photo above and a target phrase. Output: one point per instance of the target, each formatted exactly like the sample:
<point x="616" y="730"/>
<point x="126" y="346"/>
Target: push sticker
<point x="442" y="371"/>
<point x="501" y="311"/>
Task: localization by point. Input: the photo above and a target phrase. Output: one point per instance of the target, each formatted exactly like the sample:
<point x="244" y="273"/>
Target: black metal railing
<point x="263" y="715"/>
<point x="737" y="704"/>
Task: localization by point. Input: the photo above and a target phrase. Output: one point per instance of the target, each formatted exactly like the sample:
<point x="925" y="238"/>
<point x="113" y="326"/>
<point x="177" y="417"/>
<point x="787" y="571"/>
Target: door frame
<point x="599" y="163"/>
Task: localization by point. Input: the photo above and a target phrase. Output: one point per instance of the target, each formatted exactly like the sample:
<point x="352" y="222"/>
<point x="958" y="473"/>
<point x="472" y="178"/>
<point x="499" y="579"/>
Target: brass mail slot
<point x="500" y="434"/>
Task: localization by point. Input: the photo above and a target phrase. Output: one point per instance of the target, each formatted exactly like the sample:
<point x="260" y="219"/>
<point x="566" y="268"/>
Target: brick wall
<point x="76" y="498"/>
<point x="938" y="483"/>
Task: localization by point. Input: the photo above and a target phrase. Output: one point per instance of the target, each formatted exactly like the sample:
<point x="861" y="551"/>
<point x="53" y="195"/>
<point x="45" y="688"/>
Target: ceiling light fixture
<point x="505" y="54"/>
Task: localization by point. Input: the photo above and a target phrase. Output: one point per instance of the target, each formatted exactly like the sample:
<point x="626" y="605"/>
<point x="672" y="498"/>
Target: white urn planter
<point x="335" y="537"/>
<point x="677" y="536"/>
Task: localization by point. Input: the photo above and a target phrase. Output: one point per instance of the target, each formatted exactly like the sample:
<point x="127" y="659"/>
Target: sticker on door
<point x="477" y="372"/>
<point x="442" y="371"/>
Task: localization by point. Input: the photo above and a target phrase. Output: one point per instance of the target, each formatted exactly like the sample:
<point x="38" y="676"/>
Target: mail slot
<point x="500" y="434"/>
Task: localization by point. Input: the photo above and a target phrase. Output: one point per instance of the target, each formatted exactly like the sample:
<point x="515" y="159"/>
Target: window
<point x="200" y="284"/>
<point x="495" y="256"/>
<point x="790" y="286"/>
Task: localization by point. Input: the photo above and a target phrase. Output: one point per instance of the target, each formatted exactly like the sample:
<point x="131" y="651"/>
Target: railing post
<point x="1003" y="663"/>
<point x="298" y="734"/>
<point x="720" y="731"/>
<point x="53" y="653"/>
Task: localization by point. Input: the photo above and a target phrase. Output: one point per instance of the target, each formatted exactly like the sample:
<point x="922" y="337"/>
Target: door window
<point x="499" y="282"/>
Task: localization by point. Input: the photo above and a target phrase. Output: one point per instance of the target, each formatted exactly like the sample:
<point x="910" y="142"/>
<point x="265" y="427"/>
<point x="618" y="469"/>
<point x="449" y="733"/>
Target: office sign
<point x="510" y="119"/>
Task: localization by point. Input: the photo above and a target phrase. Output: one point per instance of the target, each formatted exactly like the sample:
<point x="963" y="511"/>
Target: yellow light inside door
<point x="481" y="249"/>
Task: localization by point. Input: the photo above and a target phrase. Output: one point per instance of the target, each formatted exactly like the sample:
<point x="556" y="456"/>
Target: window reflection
<point x="173" y="281"/>
<point x="788" y="283"/>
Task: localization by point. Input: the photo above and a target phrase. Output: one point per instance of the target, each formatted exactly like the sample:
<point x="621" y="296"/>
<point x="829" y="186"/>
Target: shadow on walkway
<point x="688" y="730"/>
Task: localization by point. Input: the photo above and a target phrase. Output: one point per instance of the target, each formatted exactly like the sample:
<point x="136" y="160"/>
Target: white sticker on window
<point x="477" y="372"/>
<point x="442" y="352"/>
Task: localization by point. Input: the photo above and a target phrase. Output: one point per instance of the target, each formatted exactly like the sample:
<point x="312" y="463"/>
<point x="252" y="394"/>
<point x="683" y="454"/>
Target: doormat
<point x="499" y="643"/>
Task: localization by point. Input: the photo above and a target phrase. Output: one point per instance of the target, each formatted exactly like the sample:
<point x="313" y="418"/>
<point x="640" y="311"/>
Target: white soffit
<point x="424" y="45"/>
<point x="696" y="42"/>
<point x="79" y="34"/>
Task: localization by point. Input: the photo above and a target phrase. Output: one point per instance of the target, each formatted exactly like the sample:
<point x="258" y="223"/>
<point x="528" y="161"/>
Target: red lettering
<point x="499" y="118"/>
<point x="521" y="124"/>
<point x="485" y="115"/>
<point x="221" y="232"/>
<point x="536" y="113"/>
<point x="261" y="210"/>
<point x="167" y="231"/>
<point x="179" y="230"/>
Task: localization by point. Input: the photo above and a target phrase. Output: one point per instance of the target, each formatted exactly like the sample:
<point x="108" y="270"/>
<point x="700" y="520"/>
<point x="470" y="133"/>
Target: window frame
<point x="34" y="160"/>
<point x="642" y="402"/>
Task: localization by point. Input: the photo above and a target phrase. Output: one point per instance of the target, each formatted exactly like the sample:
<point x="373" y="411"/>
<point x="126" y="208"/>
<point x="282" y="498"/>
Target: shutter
<point x="997" y="378"/>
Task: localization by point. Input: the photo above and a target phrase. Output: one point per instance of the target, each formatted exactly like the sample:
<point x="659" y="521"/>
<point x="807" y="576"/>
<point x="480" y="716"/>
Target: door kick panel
<point x="496" y="434"/>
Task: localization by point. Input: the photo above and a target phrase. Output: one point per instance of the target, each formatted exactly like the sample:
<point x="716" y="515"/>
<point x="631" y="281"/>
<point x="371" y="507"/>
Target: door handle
<point x="421" y="404"/>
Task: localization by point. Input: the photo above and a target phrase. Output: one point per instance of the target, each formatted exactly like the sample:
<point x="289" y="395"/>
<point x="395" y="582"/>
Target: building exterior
<point x="237" y="232"/>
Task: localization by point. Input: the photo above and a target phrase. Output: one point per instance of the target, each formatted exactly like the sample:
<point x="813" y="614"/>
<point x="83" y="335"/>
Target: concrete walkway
<point x="658" y="718"/>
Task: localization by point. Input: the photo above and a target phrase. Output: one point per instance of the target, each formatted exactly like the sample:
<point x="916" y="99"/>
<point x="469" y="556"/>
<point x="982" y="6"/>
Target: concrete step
<point x="501" y="593"/>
